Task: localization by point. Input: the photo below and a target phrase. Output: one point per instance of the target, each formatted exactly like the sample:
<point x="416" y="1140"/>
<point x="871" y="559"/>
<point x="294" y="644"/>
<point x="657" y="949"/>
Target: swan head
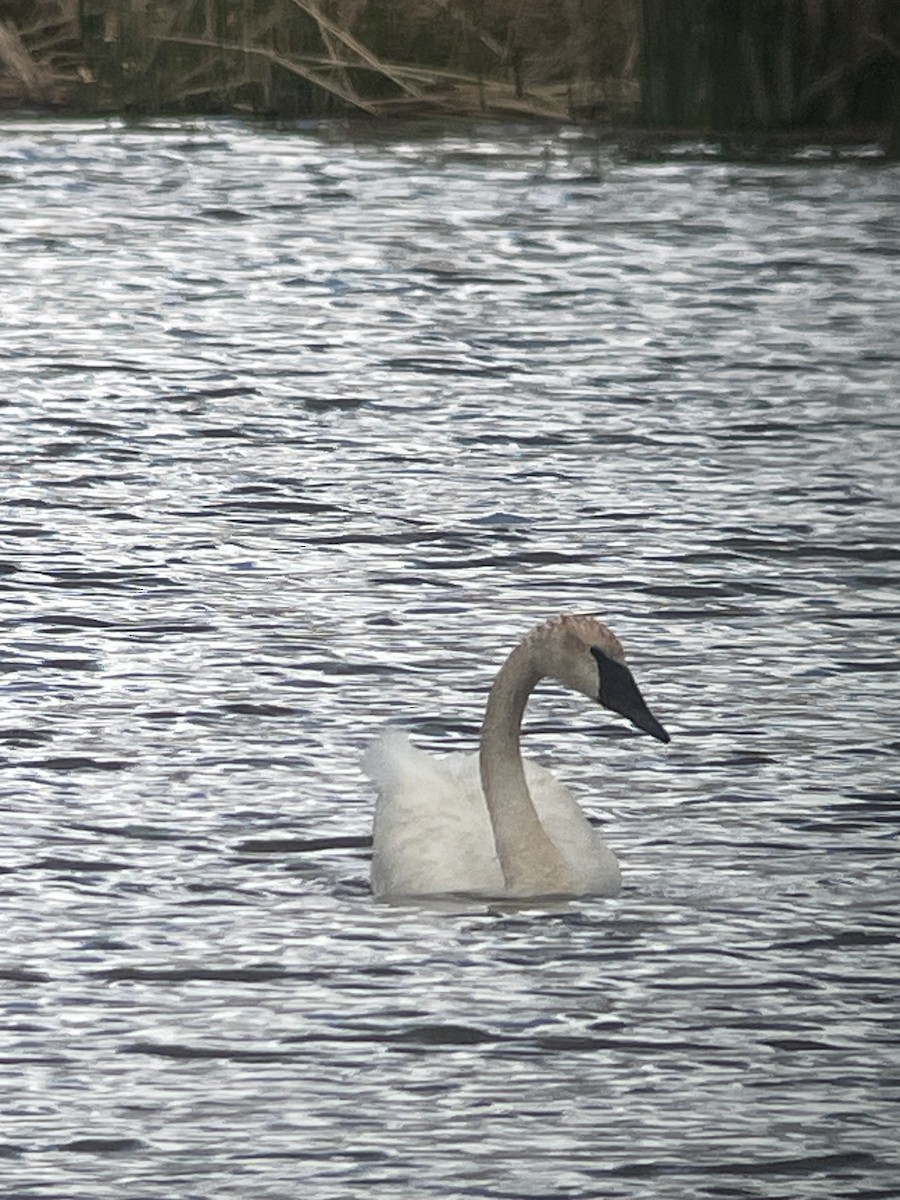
<point x="588" y="657"/>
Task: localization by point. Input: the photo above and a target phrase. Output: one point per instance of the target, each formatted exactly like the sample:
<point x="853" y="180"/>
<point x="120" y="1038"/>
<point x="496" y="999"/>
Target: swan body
<point x="492" y="824"/>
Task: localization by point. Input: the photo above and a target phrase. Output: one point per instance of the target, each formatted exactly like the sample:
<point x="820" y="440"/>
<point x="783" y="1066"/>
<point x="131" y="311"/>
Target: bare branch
<point x="343" y="35"/>
<point x="294" y="67"/>
<point x="36" y="80"/>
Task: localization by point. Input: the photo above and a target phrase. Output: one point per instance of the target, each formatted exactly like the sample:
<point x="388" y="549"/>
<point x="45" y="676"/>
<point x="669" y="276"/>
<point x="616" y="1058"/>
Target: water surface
<point x="300" y="431"/>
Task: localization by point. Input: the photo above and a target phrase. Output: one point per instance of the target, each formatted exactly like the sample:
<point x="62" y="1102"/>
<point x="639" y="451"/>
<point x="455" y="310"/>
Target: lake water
<point x="300" y="431"/>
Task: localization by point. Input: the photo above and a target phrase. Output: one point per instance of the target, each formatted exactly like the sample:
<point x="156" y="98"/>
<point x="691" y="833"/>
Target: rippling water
<point x="299" y="432"/>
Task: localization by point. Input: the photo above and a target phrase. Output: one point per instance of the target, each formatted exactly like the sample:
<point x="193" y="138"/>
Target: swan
<point x="491" y="824"/>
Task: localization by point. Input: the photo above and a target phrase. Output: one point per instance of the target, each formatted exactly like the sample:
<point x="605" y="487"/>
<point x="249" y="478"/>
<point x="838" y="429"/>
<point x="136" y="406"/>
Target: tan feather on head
<point x="586" y="628"/>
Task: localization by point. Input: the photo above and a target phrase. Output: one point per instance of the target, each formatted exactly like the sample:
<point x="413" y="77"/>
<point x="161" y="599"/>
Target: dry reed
<point x="664" y="63"/>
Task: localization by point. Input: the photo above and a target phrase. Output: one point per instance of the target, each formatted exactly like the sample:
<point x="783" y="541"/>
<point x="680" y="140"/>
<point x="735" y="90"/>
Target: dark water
<point x="299" y="432"/>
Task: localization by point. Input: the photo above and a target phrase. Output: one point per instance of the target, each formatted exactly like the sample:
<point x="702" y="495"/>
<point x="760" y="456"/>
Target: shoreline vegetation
<point x="828" y="69"/>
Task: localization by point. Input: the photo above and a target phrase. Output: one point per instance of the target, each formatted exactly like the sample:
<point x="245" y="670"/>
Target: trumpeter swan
<point x="491" y="824"/>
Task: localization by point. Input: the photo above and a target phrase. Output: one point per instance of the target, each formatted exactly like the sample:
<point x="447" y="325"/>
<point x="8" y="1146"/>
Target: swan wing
<point x="592" y="865"/>
<point x="432" y="834"/>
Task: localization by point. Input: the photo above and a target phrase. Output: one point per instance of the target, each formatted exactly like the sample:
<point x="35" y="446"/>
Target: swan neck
<point x="530" y="862"/>
<point x="516" y="680"/>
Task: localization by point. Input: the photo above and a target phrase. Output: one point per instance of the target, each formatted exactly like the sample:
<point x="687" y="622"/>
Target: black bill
<point x="621" y="694"/>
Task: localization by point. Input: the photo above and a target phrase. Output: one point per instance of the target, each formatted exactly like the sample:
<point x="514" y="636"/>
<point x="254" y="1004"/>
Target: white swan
<point x="491" y="824"/>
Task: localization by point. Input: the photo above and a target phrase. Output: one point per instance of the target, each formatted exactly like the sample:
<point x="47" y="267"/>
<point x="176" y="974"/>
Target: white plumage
<point x="433" y="833"/>
<point x="492" y="824"/>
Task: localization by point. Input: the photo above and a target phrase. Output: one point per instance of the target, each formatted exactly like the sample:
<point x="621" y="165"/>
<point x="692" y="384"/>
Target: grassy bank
<point x="699" y="65"/>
